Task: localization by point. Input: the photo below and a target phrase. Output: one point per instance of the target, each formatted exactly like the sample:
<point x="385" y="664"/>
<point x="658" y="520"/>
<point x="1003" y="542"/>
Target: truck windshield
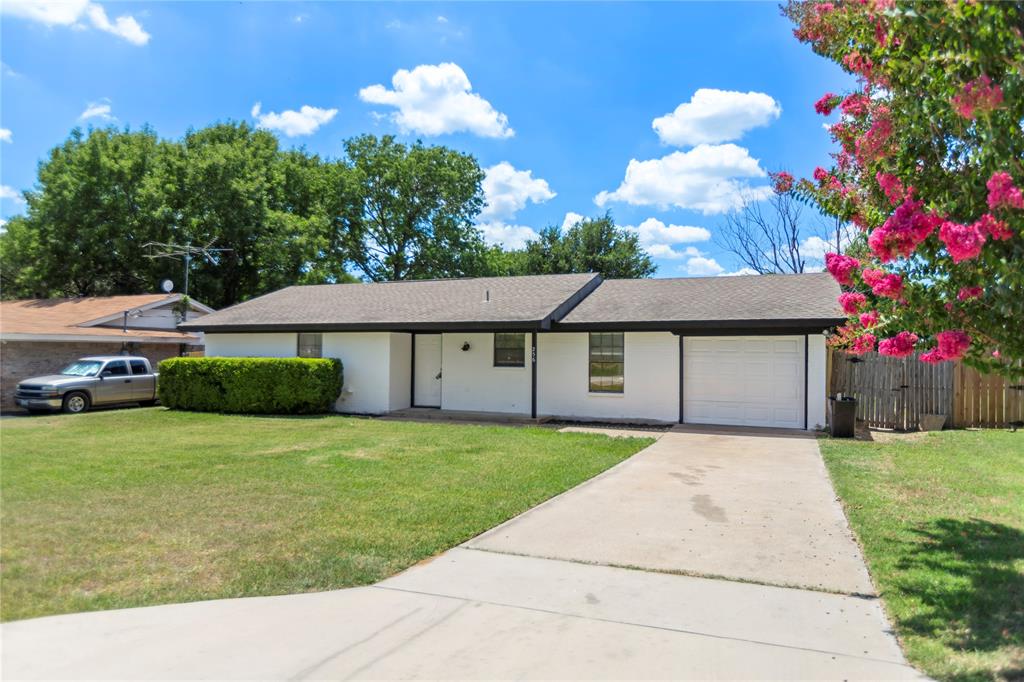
<point x="83" y="368"/>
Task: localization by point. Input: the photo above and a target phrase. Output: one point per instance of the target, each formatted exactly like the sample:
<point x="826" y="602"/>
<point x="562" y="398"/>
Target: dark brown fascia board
<point x="689" y="328"/>
<point x="711" y="327"/>
<point x="481" y="326"/>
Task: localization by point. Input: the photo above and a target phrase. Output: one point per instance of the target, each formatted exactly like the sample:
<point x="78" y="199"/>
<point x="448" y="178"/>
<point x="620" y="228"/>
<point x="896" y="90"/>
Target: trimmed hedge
<point x="250" y="385"/>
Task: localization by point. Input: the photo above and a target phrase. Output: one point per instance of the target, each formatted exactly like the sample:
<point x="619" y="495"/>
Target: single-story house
<point x="40" y="336"/>
<point x="745" y="350"/>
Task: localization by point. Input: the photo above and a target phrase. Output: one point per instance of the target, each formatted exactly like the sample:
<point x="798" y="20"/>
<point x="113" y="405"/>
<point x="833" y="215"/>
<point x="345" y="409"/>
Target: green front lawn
<point x="136" y="507"/>
<point x="941" y="519"/>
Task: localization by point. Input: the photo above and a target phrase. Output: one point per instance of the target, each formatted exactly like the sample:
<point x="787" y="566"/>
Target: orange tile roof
<point x="64" y="317"/>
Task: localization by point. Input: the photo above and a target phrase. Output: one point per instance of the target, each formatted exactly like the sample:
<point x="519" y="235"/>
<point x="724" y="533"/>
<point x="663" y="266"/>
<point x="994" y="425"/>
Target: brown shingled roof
<point x="485" y="302"/>
<point x="762" y="300"/>
<point x="65" y="317"/>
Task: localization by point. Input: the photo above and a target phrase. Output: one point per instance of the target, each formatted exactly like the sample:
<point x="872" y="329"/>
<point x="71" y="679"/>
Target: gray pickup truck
<point x="95" y="380"/>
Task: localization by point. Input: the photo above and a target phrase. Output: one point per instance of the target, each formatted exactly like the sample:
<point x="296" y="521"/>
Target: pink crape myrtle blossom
<point x="821" y="175"/>
<point x="968" y="293"/>
<point x="891" y="185"/>
<point x="859" y="64"/>
<point x="882" y="284"/>
<point x="932" y="357"/>
<point x="978" y="96"/>
<point x="869" y="319"/>
<point x="841" y="267"/>
<point x="903" y="231"/>
<point x="855" y="105"/>
<point x="865" y="343"/>
<point x="875" y="143"/>
<point x="953" y="343"/>
<point x="826" y="104"/>
<point x="899" y="346"/>
<point x="963" y="242"/>
<point x="782" y="182"/>
<point x="845" y="134"/>
<point x="852" y="302"/>
<point x="1002" y="192"/>
<point x="993" y="227"/>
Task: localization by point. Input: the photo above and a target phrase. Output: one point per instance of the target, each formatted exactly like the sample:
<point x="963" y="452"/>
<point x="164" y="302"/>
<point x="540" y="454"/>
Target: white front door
<point x="427" y="372"/>
<point x="744" y="380"/>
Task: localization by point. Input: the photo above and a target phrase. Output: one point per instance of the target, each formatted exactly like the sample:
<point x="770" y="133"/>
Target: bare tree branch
<point x="765" y="234"/>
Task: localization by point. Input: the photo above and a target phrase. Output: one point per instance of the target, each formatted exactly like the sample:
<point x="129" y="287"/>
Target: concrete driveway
<point x="545" y="596"/>
<point x="752" y="504"/>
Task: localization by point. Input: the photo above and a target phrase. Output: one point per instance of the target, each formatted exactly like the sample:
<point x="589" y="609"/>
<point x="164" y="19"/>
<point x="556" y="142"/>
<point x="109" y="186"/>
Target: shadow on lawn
<point x="963" y="573"/>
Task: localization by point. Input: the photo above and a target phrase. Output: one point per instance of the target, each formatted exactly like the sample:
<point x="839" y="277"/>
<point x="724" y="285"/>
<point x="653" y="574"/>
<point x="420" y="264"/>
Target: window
<point x="117" y="368"/>
<point x="606" y="362"/>
<point x="138" y="366"/>
<point x="509" y="350"/>
<point x="311" y="345"/>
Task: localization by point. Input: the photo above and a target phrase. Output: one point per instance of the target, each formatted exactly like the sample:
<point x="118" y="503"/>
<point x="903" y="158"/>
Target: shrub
<point x="250" y="385"/>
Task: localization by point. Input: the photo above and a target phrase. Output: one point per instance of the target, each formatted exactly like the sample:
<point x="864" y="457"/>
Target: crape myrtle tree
<point x="929" y="165"/>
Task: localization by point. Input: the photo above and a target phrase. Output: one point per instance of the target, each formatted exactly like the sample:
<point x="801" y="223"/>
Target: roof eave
<point x="451" y="326"/>
<point x="774" y="325"/>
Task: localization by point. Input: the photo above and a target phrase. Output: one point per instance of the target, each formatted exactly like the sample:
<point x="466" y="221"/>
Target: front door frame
<point x="412" y="369"/>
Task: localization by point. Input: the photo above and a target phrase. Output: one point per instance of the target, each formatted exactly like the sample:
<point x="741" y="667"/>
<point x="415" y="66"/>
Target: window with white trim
<point x="607" y="362"/>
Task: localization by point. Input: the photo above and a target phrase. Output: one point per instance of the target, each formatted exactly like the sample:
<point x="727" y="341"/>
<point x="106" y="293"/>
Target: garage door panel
<point x="751" y="381"/>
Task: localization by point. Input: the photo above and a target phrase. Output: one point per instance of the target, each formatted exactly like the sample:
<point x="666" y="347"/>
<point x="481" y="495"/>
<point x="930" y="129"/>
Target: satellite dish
<point x="167" y="285"/>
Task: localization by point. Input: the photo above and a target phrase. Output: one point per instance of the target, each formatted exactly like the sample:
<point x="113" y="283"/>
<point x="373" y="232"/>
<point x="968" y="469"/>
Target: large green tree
<point x="87" y="219"/>
<point x="407" y="211"/>
<point x="591" y="245"/>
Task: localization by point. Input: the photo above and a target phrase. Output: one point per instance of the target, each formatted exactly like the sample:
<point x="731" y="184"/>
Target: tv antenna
<point x="183" y="252"/>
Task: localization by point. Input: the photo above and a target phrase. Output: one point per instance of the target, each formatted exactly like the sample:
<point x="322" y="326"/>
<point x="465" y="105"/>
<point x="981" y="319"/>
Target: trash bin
<point x="842" y="416"/>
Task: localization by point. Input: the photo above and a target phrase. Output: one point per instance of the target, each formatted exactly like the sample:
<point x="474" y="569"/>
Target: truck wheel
<point x="75" y="402"/>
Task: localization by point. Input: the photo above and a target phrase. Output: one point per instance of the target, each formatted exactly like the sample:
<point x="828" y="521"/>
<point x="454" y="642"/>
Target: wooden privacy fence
<point x="893" y="393"/>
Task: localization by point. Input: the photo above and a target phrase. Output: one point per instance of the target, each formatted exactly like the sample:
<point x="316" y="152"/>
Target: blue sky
<point x="557" y="101"/>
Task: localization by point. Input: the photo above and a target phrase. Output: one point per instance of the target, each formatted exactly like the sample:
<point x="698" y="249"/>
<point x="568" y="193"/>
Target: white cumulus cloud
<point x="306" y="121"/>
<point x="815" y="248"/>
<point x="8" y="193"/>
<point x="571" y="220"/>
<point x="509" y="236"/>
<point x="737" y="273"/>
<point x="713" y="116"/>
<point x="507" y="191"/>
<point x="6" y="135"/>
<point x="77" y="14"/>
<point x="100" y="110"/>
<point x="653" y="231"/>
<point x="436" y="100"/>
<point x="702" y="266"/>
<point x="701" y="179"/>
<point x="659" y="239"/>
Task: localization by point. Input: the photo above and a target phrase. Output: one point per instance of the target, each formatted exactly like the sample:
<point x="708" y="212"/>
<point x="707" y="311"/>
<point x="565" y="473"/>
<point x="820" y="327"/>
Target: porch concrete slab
<point x="474" y="615"/>
<point x="752" y="505"/>
<point x="777" y="616"/>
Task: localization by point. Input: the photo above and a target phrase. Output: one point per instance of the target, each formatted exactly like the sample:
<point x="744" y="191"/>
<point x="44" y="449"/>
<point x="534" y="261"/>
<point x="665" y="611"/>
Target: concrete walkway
<point x="484" y="611"/>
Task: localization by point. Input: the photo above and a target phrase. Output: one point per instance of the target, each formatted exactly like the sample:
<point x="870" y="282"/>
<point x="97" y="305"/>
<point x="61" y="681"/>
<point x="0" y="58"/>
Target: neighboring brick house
<point x="40" y="336"/>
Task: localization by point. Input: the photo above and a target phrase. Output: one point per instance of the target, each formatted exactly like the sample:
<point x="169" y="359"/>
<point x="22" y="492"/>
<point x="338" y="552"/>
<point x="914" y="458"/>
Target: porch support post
<point x="533" y="375"/>
<point x="412" y="370"/>
<point x="682" y="344"/>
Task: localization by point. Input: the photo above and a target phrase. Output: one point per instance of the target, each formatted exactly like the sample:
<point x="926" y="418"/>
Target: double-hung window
<point x="510" y="350"/>
<point x="606" y="362"/>
<point x="310" y="345"/>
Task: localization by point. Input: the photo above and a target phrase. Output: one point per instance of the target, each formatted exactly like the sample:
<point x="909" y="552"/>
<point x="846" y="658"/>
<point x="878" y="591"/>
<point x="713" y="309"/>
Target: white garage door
<point x="744" y="380"/>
